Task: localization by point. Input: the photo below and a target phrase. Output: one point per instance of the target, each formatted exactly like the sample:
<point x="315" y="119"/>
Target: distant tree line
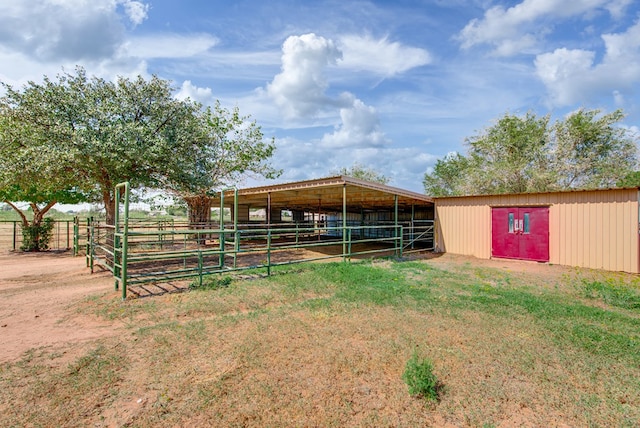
<point x="519" y="154"/>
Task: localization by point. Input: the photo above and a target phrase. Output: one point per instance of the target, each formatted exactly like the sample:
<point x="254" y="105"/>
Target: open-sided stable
<point x="331" y="199"/>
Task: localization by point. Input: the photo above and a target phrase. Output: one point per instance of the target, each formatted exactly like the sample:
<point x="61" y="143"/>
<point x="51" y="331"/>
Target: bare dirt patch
<point x="36" y="290"/>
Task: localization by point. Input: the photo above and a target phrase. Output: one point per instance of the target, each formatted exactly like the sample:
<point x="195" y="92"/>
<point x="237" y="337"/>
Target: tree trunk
<point x="23" y="218"/>
<point x="35" y="235"/>
<point x="199" y="208"/>
<point x="38" y="213"/>
<point x="199" y="211"/>
<point x="109" y="208"/>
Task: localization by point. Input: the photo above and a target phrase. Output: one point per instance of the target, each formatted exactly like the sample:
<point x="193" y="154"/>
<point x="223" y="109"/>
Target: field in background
<point x="513" y="343"/>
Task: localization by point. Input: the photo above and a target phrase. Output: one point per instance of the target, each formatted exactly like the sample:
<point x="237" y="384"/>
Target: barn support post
<point x="221" y="230"/>
<point x="269" y="209"/>
<point x="236" y="232"/>
<point x="395" y="226"/>
<point x="319" y="214"/>
<point x="268" y="252"/>
<point x="412" y="223"/>
<point x="344" y="222"/>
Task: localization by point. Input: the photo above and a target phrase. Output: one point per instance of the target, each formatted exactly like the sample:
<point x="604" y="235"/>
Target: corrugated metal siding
<point x="595" y="229"/>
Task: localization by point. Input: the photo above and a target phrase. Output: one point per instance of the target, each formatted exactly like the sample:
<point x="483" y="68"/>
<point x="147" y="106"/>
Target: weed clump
<point x="212" y="283"/>
<point x="419" y="377"/>
<point x="613" y="293"/>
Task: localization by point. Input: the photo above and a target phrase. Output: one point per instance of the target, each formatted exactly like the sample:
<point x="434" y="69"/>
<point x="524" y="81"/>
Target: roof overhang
<point x="326" y="194"/>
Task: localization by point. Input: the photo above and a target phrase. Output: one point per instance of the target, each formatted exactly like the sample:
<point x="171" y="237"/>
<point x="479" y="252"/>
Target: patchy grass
<point x="327" y="345"/>
<point x="613" y="292"/>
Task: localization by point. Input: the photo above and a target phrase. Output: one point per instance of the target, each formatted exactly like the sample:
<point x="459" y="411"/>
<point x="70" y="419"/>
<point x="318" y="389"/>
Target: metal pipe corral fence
<point x="62" y="238"/>
<point x="157" y="251"/>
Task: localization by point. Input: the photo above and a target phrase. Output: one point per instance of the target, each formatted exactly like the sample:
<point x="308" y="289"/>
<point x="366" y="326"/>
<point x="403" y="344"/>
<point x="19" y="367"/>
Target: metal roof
<point x="326" y="194"/>
<point x="599" y="189"/>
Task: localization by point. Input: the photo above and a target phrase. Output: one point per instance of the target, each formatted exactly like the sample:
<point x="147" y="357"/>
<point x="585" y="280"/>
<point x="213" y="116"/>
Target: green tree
<point x="448" y="177"/>
<point x="363" y="172"/>
<point x="591" y="151"/>
<point x="630" y="180"/>
<point x="220" y="147"/>
<point x="32" y="171"/>
<point x="511" y="156"/>
<point x="99" y="133"/>
<point x="528" y="154"/>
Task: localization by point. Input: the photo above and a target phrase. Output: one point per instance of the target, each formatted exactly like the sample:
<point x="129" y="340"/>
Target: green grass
<point x="420" y="379"/>
<point x="613" y="292"/>
<point x="327" y="345"/>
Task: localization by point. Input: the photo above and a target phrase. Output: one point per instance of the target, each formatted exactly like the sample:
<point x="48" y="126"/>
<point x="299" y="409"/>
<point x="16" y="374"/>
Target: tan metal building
<point x="594" y="229"/>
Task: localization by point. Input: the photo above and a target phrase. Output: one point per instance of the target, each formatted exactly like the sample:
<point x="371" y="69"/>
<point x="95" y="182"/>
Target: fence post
<point x="200" y="263"/>
<point x="236" y="248"/>
<point x="124" y="242"/>
<point x="91" y="244"/>
<point x="88" y="244"/>
<point x="269" y="251"/>
<point x="222" y="247"/>
<point x="15" y="229"/>
<point x="75" y="236"/>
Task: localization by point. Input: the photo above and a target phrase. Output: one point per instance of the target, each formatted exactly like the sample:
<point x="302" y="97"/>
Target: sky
<point x="390" y="85"/>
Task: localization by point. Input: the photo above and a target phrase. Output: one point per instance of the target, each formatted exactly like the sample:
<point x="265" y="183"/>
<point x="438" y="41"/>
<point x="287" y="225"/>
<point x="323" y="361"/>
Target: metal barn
<point x="593" y="229"/>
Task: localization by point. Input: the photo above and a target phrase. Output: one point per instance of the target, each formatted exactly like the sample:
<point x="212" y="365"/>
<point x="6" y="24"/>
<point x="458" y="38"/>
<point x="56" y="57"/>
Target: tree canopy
<point x="84" y="135"/>
<point x="222" y="146"/>
<point x="363" y="172"/>
<point x="527" y="153"/>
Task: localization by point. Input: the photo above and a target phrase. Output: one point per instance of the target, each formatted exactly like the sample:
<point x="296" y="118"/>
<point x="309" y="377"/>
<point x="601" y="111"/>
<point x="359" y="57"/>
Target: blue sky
<point x="394" y="85"/>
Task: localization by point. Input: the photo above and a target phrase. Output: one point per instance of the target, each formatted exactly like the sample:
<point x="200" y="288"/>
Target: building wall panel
<point x="594" y="229"/>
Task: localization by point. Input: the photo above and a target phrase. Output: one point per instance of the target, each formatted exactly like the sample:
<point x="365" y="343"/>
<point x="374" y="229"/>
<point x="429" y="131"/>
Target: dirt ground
<point x="37" y="289"/>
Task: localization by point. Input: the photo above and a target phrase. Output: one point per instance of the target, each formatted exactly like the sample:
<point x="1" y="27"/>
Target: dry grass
<point x="326" y="345"/>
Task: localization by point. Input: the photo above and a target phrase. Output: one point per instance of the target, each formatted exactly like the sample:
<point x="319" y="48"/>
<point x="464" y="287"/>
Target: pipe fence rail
<point x="138" y="251"/>
<point x="63" y="235"/>
<point x="142" y="252"/>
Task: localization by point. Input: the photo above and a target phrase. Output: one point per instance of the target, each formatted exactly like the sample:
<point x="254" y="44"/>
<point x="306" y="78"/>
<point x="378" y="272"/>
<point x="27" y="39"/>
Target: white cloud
<point x="43" y="37"/>
<point x="299" y="89"/>
<point x="52" y="30"/>
<point x="169" y="45"/>
<point x="301" y="160"/>
<point x="572" y="76"/>
<point x="360" y="127"/>
<point x="363" y="53"/>
<point x="189" y="90"/>
<point x="518" y="29"/>
<point x="136" y="11"/>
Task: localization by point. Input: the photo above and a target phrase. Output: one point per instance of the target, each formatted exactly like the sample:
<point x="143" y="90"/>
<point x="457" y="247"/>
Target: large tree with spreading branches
<point x="527" y="153"/>
<point x="84" y="135"/>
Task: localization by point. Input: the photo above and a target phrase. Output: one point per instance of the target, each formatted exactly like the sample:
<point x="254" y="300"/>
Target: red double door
<point x="520" y="233"/>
